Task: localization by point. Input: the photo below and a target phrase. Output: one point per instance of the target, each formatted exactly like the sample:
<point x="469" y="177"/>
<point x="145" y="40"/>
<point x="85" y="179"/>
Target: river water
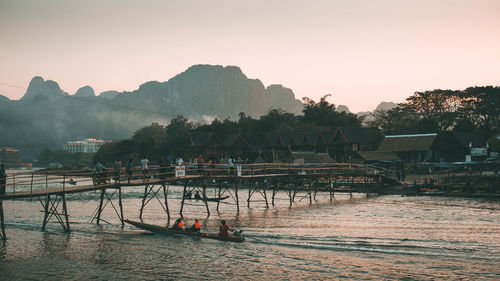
<point x="379" y="237"/>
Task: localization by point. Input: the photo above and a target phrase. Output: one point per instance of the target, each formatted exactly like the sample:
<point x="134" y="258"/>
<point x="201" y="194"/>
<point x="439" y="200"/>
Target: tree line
<point x="473" y="109"/>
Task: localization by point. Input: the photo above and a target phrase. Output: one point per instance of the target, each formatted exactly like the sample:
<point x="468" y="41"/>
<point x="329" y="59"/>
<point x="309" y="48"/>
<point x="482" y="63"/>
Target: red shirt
<point x="224" y="230"/>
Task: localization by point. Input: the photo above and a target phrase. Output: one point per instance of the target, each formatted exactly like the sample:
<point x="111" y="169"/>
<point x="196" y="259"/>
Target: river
<point x="379" y="237"/>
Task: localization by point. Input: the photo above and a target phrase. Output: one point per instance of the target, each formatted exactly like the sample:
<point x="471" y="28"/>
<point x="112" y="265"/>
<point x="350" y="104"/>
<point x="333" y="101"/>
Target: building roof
<point x="357" y="135"/>
<point x="285" y="138"/>
<point x="468" y="138"/>
<point x="312" y="157"/>
<point x="313" y="137"/>
<point x="272" y="139"/>
<point x="299" y="138"/>
<point x="325" y="137"/>
<point x="236" y="140"/>
<point x="204" y="139"/>
<point x="8" y="149"/>
<point x="420" y="142"/>
<point x="378" y="155"/>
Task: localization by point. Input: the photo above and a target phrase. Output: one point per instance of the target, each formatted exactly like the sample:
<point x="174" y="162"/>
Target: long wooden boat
<point x="214" y="199"/>
<point x="166" y="230"/>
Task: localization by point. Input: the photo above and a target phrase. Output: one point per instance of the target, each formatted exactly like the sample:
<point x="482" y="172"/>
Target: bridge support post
<point x="260" y="188"/>
<point x="149" y="193"/>
<point x="236" y="195"/>
<point x="165" y="193"/>
<point x="183" y="198"/>
<point x="204" y="187"/>
<point x="331" y="190"/>
<point x="219" y="193"/>
<point x="102" y="205"/>
<point x="275" y="190"/>
<point x="120" y="203"/>
<point x="3" y="237"/>
<point x="143" y="200"/>
<point x="309" y="192"/>
<point x="51" y="206"/>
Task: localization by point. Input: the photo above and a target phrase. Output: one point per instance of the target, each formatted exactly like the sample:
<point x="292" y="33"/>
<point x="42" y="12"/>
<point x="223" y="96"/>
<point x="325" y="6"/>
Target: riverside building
<point x="86" y="146"/>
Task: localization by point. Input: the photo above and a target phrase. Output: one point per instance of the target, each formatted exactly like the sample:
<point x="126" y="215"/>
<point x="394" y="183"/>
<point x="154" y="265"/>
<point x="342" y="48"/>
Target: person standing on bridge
<point x="130" y="168"/>
<point x="144" y="166"/>
<point x="3" y="178"/>
<point x="179" y="161"/>
<point x="163" y="167"/>
<point x="118" y="166"/>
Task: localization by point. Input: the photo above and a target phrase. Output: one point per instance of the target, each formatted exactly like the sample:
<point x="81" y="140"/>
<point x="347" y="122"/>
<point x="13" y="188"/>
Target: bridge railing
<point x="44" y="179"/>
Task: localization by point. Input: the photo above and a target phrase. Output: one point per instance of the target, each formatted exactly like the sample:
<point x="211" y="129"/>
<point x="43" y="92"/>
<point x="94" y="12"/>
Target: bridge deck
<point x="206" y="174"/>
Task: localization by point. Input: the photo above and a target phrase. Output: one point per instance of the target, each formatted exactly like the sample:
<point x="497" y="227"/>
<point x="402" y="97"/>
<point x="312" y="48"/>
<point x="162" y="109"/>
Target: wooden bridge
<point x="51" y="187"/>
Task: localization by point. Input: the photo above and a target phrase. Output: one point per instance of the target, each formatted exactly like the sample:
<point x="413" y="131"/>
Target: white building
<point x="88" y="145"/>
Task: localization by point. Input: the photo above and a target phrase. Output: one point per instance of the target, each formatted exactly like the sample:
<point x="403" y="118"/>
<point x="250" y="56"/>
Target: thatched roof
<point x="200" y="139"/>
<point x="357" y="135"/>
<point x="420" y="142"/>
<point x="299" y="138"/>
<point x="325" y="137"/>
<point x="272" y="139"/>
<point x="312" y="137"/>
<point x="236" y="140"/>
<point x="312" y="157"/>
<point x="378" y="155"/>
<point x="467" y="138"/>
<point x="285" y="138"/>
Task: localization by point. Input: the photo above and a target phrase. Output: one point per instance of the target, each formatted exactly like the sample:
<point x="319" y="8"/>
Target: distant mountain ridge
<point x="47" y="116"/>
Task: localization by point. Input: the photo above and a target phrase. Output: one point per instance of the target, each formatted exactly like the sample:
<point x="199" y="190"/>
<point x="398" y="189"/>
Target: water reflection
<point x="385" y="237"/>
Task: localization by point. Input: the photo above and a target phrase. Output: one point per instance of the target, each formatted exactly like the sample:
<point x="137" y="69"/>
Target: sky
<point x="360" y="52"/>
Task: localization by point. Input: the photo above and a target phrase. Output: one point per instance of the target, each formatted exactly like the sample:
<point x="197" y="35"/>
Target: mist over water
<point x="383" y="237"/>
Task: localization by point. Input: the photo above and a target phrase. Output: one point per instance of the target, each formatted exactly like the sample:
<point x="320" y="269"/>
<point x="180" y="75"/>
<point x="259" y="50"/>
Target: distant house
<point x="10" y="156"/>
<point x="323" y="140"/>
<point x="413" y="148"/>
<point x="387" y="158"/>
<point x="455" y="146"/>
<point x="306" y="157"/>
<point x="348" y="140"/>
<point x="236" y="146"/>
<point x="204" y="143"/>
<point x="85" y="146"/>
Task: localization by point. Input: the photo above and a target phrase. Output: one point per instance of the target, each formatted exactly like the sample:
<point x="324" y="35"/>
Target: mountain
<point x="86" y="91"/>
<point x="283" y="98"/>
<point x="383" y="106"/>
<point x="46" y="116"/>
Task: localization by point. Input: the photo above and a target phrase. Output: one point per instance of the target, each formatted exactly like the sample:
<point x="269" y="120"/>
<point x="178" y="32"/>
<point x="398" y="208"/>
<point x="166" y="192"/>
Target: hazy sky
<point x="362" y="52"/>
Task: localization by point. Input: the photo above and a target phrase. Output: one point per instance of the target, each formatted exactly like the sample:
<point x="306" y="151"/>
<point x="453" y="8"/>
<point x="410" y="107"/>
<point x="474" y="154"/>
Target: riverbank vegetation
<point x="473" y="109"/>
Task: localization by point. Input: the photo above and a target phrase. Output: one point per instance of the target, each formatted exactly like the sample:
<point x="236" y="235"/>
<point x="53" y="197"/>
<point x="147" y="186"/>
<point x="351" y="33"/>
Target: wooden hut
<point x="236" y="146"/>
<point x="412" y="148"/>
<point x="461" y="146"/>
<point x="347" y="140"/>
<point x="207" y="144"/>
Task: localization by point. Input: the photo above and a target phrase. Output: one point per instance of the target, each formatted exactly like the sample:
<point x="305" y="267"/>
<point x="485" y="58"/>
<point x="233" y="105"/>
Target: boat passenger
<point x="99" y="167"/>
<point x="224" y="229"/>
<point x="195" y="227"/>
<point x="177" y="225"/>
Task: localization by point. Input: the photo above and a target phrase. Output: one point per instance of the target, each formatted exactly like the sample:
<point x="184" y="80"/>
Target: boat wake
<point x="337" y="244"/>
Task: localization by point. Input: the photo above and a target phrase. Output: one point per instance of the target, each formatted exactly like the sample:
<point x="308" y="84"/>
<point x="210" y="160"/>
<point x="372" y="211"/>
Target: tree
<point x="481" y="105"/>
<point x="177" y="135"/>
<point x="324" y="114"/>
